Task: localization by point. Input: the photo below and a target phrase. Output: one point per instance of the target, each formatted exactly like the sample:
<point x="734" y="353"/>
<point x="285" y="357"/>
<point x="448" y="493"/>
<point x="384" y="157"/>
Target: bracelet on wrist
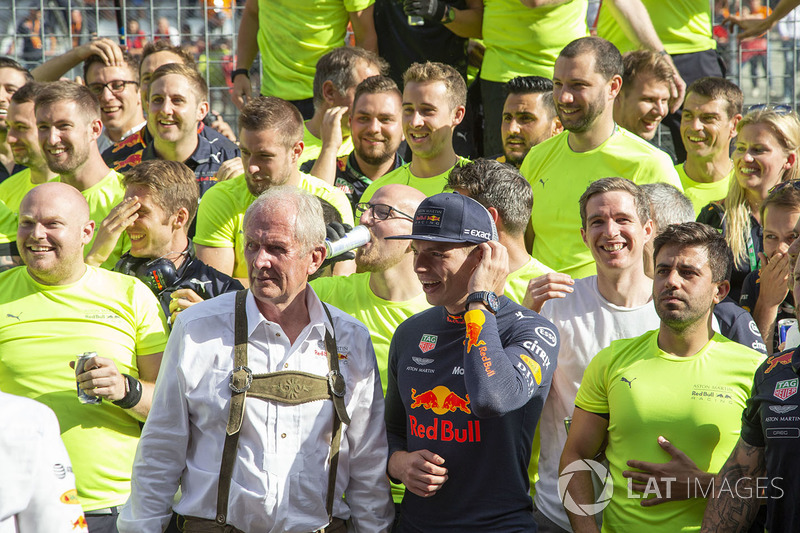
<point x="133" y="393"/>
<point x="245" y="71"/>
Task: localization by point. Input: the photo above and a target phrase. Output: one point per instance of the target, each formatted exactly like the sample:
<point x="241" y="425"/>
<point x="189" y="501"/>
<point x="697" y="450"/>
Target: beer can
<point x="784" y="325"/>
<point x="358" y="236"/>
<point x="567" y="423"/>
<point x="83" y="397"/>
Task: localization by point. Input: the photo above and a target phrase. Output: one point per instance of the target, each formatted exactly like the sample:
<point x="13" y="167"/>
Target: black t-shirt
<point x="471" y="392"/>
<point x="737" y="325"/>
<point x="749" y="297"/>
<point x="771" y="421"/>
<point x="401" y="44"/>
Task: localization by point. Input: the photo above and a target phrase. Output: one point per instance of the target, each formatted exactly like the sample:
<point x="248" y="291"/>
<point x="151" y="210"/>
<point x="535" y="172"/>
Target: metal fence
<point x="35" y="30"/>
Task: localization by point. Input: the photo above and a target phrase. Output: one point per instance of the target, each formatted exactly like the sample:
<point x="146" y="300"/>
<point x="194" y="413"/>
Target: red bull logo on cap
<point x="80" y="523"/>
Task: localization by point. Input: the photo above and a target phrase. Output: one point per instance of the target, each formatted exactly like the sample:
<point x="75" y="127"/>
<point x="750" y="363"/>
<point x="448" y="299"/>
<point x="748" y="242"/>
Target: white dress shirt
<point x="280" y="479"/>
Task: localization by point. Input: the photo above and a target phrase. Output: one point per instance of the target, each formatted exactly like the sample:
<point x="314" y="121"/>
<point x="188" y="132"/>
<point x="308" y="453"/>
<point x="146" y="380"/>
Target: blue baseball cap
<point x="451" y="217"/>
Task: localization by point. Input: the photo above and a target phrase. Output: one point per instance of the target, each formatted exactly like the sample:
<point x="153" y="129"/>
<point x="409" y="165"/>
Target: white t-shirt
<point x="587" y="323"/>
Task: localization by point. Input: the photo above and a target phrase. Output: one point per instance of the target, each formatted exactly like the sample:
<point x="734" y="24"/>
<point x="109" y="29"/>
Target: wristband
<point x="245" y="71"/>
<point x="133" y="394"/>
<point x="449" y="15"/>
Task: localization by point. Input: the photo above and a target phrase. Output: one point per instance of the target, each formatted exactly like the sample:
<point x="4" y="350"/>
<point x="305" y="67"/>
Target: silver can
<point x="83" y="397"/>
<point x="784" y="325"/>
<point x="358" y="236"/>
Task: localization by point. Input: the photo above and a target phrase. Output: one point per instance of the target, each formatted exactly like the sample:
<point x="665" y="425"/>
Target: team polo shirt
<point x="521" y="41"/>
<point x="517" y="281"/>
<point x="684" y="26"/>
<point x="694" y="402"/>
<point x="102" y="197"/>
<point x="701" y="194"/>
<point x="14" y="189"/>
<point x="293" y="35"/>
<point x="312" y="146"/>
<point x="403" y="176"/>
<point x="772" y="421"/>
<point x="43" y="328"/>
<point x="559" y="176"/>
<point x="220" y="217"/>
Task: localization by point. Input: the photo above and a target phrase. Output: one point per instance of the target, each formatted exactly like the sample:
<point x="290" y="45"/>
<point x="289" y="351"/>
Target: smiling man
<point x="270" y="133"/>
<point x="23" y="137"/>
<point x="68" y="120"/>
<point x="376" y="133"/>
<point x="668" y="403"/>
<point x="12" y="77"/>
<point x="56" y="307"/>
<point x="711" y="110"/>
<point x="467" y="379"/>
<point x="434" y="100"/>
<point x="589" y="314"/>
<point x="643" y="101"/>
<point x="159" y="206"/>
<point x="586" y="82"/>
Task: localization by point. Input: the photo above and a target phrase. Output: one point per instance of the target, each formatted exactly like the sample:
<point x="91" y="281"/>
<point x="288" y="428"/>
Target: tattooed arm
<point x="727" y="511"/>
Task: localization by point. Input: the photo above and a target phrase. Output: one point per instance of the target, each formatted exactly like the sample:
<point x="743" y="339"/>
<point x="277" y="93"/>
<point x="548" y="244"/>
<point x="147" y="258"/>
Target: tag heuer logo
<point x="428" y="342"/>
<point x="422" y="361"/>
<point x="786" y="389"/>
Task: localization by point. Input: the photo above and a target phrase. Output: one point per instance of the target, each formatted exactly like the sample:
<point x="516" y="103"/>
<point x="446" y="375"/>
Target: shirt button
<point x="277" y="334"/>
<point x="283" y="435"/>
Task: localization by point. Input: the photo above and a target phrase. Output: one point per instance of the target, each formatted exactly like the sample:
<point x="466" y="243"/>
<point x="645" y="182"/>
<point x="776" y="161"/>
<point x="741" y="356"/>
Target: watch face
<point x="494" y="302"/>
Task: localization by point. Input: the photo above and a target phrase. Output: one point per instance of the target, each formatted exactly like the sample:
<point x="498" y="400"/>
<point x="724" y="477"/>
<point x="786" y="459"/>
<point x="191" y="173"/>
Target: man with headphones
<point x="160" y="203"/>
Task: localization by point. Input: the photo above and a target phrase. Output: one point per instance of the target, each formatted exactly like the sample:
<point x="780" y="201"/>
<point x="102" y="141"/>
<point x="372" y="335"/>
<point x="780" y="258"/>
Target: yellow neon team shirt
<point x="220" y="216"/>
<point x="521" y="41"/>
<point x="312" y="146"/>
<point x="702" y="194"/>
<point x="352" y="295"/>
<point x="15" y="187"/>
<point x="517" y="281"/>
<point x="694" y="402"/>
<point x="559" y="176"/>
<point x="102" y="197"/>
<point x="8" y="224"/>
<point x="43" y="328"/>
<point x="293" y="35"/>
<point x="403" y="176"/>
<point x="684" y="26"/>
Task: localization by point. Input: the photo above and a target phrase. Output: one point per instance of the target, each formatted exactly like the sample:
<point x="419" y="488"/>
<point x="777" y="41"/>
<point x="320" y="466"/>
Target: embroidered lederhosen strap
<point x="289" y="387"/>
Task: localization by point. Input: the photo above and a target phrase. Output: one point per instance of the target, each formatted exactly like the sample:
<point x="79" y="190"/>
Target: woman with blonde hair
<point x="767" y="148"/>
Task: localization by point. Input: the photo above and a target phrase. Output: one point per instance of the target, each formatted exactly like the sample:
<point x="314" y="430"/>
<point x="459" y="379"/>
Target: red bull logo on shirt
<point x="775" y="360"/>
<point x="474" y="320"/>
<point x="442" y="400"/>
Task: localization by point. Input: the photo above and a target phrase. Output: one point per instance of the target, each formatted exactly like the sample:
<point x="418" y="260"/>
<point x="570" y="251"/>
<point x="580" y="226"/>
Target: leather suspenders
<point x="288" y="387"/>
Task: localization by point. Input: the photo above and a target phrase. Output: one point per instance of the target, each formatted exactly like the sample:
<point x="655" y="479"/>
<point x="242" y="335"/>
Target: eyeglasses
<point x="794" y="183"/>
<point x="781" y="109"/>
<point x="115" y="86"/>
<point x="380" y="211"/>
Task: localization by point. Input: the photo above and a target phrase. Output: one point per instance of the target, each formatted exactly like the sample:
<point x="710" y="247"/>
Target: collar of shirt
<point x="200" y="155"/>
<point x="314" y="330"/>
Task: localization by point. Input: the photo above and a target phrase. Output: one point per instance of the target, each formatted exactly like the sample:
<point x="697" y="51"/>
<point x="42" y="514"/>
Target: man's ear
<point x="458" y="115"/>
<point x="317" y="257"/>
<point x="615" y="85"/>
<point x="181" y="219"/>
<point x="723" y="288"/>
<point x="297" y="151"/>
<point x="329" y="92"/>
<point x="202" y="110"/>
<point x="87" y="232"/>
